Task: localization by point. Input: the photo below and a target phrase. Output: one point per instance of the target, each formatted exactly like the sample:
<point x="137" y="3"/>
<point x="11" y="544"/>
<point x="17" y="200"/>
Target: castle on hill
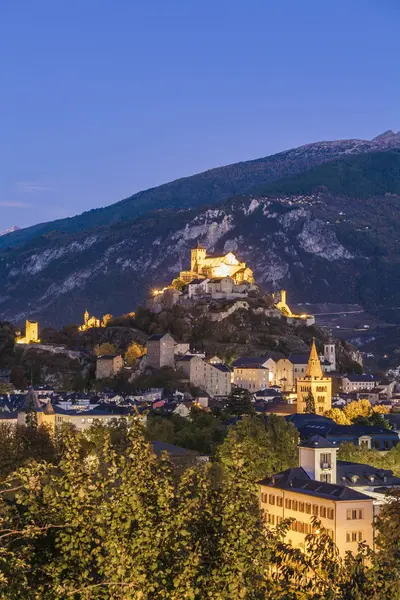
<point x="213" y="277"/>
<point x="92" y="322"/>
<point x="210" y="267"/>
<point x="31" y="334"/>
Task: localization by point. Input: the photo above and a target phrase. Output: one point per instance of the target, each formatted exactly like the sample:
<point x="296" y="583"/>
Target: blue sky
<point x="100" y="98"/>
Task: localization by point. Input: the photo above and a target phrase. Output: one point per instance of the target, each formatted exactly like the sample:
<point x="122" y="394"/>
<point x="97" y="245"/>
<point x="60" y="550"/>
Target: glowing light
<point x="222" y="271"/>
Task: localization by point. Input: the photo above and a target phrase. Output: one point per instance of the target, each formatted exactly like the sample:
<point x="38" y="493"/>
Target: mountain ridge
<point x="213" y="186"/>
<point x="316" y="237"/>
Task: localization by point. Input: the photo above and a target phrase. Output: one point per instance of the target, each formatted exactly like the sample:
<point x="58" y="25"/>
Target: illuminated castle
<point x="314" y="386"/>
<point x="203" y="266"/>
<point x="285" y="309"/>
<point x="93" y="322"/>
<point x="31" y="334"/>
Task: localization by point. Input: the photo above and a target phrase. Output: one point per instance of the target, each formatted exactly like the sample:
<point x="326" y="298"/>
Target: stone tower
<point x="86" y="317"/>
<point x="315" y="383"/>
<point x="32" y="332"/>
<point x="330" y="355"/>
<point x="197" y="256"/>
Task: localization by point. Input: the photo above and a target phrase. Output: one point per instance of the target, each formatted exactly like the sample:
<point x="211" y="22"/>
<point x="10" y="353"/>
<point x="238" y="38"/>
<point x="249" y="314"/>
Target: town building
<point x="284" y="374"/>
<point x="314" y="385"/>
<point x="253" y="372"/>
<point x="161" y="351"/>
<point x="215" y="379"/>
<point x="31" y="334"/>
<point x="108" y="365"/>
<point x="357" y="383"/>
<point x="311" y="490"/>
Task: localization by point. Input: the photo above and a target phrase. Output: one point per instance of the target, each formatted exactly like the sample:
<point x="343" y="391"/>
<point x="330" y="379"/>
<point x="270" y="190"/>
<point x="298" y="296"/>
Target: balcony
<point x="326" y="465"/>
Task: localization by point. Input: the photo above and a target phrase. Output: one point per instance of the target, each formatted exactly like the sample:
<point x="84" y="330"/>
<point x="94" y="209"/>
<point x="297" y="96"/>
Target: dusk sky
<point x="100" y="99"/>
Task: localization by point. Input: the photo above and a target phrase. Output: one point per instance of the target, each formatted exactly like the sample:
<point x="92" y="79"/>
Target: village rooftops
<point x="299" y="359"/>
<point x="156" y="336"/>
<point x="366" y="378"/>
<point x="297" y="480"/>
<point x="250" y="362"/>
<point x="357" y="475"/>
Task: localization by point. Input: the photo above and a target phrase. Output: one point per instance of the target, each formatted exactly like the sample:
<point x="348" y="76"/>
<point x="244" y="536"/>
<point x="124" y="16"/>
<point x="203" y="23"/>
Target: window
<point x="326" y="462"/>
<point x="288" y="503"/>
<point x="315" y="510"/>
<point x="279" y="501"/>
<point x="326" y="477"/>
<point x="377" y="444"/>
<point x="271" y="499"/>
<point x="387" y="444"/>
<point x="354" y="536"/>
<point x="295" y="505"/>
<point x="308" y="508"/>
<point x="322" y="511"/>
<point x="301" y="507"/>
<point x="271" y="519"/>
<point x="353" y="514"/>
<point x="330" y="513"/>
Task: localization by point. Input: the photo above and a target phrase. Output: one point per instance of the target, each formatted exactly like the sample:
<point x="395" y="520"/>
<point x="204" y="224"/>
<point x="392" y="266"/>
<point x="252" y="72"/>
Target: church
<point x="210" y="267"/>
<point x="314" y="390"/>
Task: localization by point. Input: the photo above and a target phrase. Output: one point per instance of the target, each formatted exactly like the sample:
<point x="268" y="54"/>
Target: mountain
<point x="208" y="188"/>
<point x="10" y="230"/>
<point x="320" y="220"/>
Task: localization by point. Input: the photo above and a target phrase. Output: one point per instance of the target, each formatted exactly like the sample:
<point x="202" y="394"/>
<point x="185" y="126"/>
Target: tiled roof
<point x="316" y="441"/>
<point x="297" y="480"/>
<point x="366" y="378"/>
<point x="299" y="359"/>
<point x="364" y="475"/>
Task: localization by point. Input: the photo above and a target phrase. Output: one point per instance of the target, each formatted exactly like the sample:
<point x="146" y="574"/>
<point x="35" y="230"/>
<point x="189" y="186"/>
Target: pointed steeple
<point x="314" y="369"/>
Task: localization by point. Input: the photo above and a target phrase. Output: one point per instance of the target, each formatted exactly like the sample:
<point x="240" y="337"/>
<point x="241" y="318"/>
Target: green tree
<point x="266" y="447"/>
<point x="239" y="402"/>
<point x="310" y="403"/>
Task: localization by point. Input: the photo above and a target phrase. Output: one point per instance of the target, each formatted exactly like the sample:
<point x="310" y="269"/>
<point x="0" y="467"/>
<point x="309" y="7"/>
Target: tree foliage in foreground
<point x="112" y="521"/>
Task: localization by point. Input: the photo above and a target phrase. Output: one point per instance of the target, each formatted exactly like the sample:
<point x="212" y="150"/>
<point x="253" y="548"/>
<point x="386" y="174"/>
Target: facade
<point x="215" y="379"/>
<point x="253" y="372"/>
<point x="209" y="267"/>
<point x="31" y="334"/>
<point x="305" y="492"/>
<point x="284" y="374"/>
<point x="108" y="366"/>
<point x="329" y="357"/>
<point x="356" y="383"/>
<point x="160" y="351"/>
<point x="316" y="384"/>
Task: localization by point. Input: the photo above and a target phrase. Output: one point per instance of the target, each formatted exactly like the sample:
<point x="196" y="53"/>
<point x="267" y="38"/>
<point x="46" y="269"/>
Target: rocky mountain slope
<point x="328" y="234"/>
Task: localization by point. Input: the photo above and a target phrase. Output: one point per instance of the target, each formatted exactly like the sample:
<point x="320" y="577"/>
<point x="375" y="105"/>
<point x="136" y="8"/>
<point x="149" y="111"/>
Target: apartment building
<point x="311" y="490"/>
